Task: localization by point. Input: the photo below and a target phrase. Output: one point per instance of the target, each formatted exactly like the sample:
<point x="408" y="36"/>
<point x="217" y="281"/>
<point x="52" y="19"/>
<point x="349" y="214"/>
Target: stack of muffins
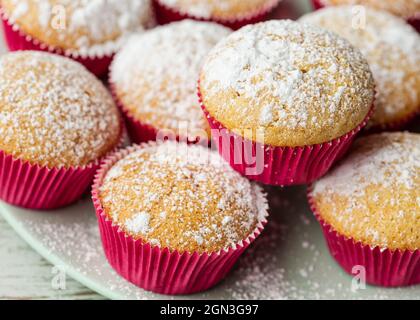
<point x="282" y="101"/>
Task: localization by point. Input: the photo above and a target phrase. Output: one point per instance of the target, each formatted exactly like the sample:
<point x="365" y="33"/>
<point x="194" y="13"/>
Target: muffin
<point x="369" y="208"/>
<point x="294" y="94"/>
<point x="154" y="79"/>
<point x="56" y="122"/>
<point x="392" y="48"/>
<point x="88" y="31"/>
<point x="406" y="9"/>
<point x="182" y="206"/>
<point x="231" y="13"/>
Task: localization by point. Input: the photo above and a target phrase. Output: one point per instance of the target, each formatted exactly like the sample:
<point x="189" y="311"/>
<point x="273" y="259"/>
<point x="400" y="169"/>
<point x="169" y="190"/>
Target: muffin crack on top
<point x="181" y="197"/>
<point x="298" y="84"/>
<point x="82" y="27"/>
<point x="53" y="112"/>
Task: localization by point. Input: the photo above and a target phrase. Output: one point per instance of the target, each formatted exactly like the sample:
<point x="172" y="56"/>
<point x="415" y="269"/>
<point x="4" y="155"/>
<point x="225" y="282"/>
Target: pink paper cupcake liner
<point x="17" y="40"/>
<point x="414" y="21"/>
<point x="159" y="269"/>
<point x="281" y="166"/>
<point x="141" y="132"/>
<point x="165" y="14"/>
<point x="37" y="187"/>
<point x="384" y="267"/>
<point x="317" y="4"/>
<point x="138" y="131"/>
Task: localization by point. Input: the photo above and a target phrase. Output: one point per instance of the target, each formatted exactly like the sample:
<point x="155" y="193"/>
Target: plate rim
<point x="54" y="259"/>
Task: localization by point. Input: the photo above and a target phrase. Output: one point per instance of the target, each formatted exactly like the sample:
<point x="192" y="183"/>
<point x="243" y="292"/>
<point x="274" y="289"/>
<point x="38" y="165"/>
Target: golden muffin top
<point x="219" y="9"/>
<point x="83" y="27"/>
<point x="181" y="197"/>
<point x="373" y="195"/>
<point x="53" y="112"/>
<point x="402" y="8"/>
<point x="392" y="48"/>
<point x="155" y="75"/>
<point x="287" y="83"/>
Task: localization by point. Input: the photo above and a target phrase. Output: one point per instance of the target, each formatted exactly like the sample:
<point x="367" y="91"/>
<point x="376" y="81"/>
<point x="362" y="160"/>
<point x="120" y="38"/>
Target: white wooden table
<point x="25" y="275"/>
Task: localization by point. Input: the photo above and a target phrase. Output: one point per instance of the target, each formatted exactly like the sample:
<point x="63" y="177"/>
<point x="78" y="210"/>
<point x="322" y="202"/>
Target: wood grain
<point x="26" y="275"/>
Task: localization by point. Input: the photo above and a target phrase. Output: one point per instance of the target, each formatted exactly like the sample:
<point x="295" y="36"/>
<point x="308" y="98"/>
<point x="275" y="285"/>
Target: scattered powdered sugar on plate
<point x="155" y="74"/>
<point x="71" y="235"/>
<point x="270" y="269"/>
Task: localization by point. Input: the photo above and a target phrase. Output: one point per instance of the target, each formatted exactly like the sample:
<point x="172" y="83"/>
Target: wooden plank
<point x="26" y="275"/>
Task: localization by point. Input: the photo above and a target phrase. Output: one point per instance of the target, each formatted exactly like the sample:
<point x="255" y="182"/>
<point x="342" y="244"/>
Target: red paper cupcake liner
<point x="165" y="14"/>
<point x="317" y="4"/>
<point x="281" y="166"/>
<point x="414" y="21"/>
<point x="37" y="187"/>
<point x="159" y="269"/>
<point x="17" y="40"/>
<point x="383" y="267"/>
<point x="141" y="132"/>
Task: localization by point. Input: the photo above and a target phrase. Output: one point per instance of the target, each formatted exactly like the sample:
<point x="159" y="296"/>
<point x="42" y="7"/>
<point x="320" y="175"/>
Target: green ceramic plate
<point x="289" y="261"/>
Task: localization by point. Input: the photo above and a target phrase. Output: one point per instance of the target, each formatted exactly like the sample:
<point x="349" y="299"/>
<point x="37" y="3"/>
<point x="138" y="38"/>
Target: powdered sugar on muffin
<point x="402" y="8"/>
<point x="300" y="84"/>
<point x="53" y="112"/>
<point x="85" y="27"/>
<point x="221" y="9"/>
<point x="392" y="48"/>
<point x="155" y="75"/>
<point x="182" y="197"/>
<point x="374" y="194"/>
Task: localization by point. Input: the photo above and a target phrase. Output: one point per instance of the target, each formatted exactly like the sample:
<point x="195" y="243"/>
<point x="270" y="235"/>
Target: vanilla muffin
<point x="373" y="195"/>
<point x="392" y="48"/>
<point x="219" y="9"/>
<point x="401" y="8"/>
<point x="79" y="27"/>
<point x="287" y="84"/>
<point x="154" y="77"/>
<point x="181" y="197"/>
<point x="53" y="112"/>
